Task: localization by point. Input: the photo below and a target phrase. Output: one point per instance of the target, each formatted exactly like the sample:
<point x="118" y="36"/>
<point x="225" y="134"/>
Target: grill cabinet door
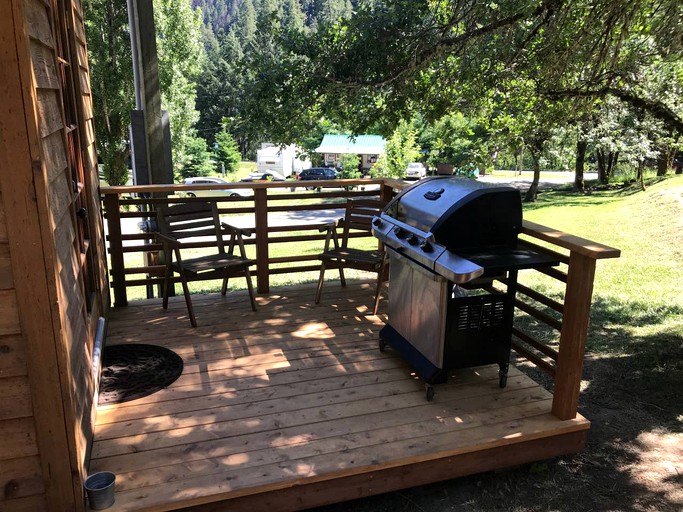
<point x="417" y="305"/>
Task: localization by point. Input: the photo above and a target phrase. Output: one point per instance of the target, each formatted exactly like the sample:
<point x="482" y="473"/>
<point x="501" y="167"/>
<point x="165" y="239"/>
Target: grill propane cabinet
<point x="448" y="238"/>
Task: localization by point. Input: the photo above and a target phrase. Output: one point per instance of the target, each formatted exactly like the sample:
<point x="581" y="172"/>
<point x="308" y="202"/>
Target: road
<point x="548" y="179"/>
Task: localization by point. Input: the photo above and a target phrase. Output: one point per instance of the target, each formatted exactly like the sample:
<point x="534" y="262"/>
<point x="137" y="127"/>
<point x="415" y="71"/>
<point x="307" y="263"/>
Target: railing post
<point x="386" y="192"/>
<point x="575" y="320"/>
<point x="118" y="274"/>
<point x="261" y="228"/>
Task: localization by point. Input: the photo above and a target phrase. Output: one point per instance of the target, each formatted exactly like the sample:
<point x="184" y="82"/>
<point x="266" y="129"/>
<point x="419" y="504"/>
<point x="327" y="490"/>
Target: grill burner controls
<point x="426" y="246"/>
<point x="442" y="233"/>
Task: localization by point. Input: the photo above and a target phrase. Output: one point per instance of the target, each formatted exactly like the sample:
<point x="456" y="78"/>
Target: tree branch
<point x="451" y="45"/>
<point x="654" y="107"/>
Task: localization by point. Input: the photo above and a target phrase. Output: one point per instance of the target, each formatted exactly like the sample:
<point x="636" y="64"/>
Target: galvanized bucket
<point x="100" y="490"/>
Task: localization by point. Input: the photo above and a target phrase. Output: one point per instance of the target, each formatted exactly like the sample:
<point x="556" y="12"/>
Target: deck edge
<point x="334" y="488"/>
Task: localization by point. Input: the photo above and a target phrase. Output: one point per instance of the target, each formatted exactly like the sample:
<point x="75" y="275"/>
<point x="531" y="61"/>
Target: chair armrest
<point x="236" y="230"/>
<point x="165" y="239"/>
<point x="330" y="225"/>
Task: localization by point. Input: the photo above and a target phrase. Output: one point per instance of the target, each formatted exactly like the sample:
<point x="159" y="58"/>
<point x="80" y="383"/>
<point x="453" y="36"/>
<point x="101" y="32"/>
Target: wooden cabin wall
<point x="21" y="475"/>
<point x="52" y="261"/>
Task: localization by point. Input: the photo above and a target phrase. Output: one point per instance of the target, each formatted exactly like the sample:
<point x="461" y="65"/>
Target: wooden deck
<point x="293" y="406"/>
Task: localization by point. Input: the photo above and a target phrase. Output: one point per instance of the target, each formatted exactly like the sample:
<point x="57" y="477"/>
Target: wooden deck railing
<point x="273" y="197"/>
<point x="568" y="316"/>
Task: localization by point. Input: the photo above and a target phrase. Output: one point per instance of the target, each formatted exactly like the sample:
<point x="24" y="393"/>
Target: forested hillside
<point x="219" y="14"/>
<point x="238" y="34"/>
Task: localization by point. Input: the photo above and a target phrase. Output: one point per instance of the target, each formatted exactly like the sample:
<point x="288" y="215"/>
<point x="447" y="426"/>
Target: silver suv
<point x="416" y="171"/>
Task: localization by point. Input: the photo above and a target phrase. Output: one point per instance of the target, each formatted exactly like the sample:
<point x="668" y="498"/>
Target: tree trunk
<point x="602" y="172"/>
<point x="535" y="150"/>
<point x="663" y="161"/>
<point x="581" y="146"/>
<point x="606" y="164"/>
<point x="613" y="159"/>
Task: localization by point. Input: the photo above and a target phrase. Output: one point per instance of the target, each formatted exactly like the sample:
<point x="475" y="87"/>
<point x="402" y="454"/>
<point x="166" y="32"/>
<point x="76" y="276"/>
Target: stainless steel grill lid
<point x="461" y="213"/>
<point x="444" y="224"/>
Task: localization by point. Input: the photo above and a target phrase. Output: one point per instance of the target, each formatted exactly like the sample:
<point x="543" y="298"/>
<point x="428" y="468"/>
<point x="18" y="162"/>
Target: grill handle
<point x="428" y="236"/>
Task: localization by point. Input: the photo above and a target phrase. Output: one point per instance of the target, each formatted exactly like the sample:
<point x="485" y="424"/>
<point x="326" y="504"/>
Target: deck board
<point x="298" y="394"/>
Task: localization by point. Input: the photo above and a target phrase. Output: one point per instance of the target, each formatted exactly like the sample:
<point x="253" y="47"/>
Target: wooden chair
<point x="183" y="221"/>
<point x="338" y="254"/>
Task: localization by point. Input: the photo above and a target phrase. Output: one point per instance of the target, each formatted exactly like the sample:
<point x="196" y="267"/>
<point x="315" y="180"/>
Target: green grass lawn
<point x="637" y="296"/>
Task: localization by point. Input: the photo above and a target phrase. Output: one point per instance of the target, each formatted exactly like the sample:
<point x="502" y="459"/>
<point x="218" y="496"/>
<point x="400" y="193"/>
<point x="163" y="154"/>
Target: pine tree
<point x="245" y="23"/>
<point x="227" y="155"/>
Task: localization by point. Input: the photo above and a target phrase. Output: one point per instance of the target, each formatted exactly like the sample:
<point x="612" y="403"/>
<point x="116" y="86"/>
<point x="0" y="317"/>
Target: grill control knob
<point x="400" y="232"/>
<point x="413" y="240"/>
<point x="426" y="246"/>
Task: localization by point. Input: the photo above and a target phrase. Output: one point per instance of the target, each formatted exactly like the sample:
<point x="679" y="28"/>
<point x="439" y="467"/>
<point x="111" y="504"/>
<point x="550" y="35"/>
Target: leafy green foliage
<point x="180" y="52"/>
<point x="227" y="155"/>
<point x="198" y="159"/>
<point x="111" y="76"/>
<point x="400" y="150"/>
<point x="349" y="166"/>
<point x="454" y="139"/>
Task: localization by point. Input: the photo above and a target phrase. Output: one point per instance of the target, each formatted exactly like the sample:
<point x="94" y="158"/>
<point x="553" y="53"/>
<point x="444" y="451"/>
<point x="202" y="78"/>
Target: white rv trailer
<point x="283" y="160"/>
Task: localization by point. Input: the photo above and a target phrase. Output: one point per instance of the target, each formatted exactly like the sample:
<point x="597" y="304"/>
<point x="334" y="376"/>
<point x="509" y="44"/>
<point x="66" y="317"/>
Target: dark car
<point x="317" y="173"/>
<point x="677" y="163"/>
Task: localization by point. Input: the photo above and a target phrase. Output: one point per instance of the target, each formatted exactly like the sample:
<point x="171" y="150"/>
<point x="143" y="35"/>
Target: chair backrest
<point x="358" y="217"/>
<point x="191" y="220"/>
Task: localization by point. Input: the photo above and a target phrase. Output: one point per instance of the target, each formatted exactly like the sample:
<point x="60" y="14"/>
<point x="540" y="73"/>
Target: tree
<point x="180" y="56"/>
<point x="349" y="165"/>
<point x="111" y="73"/>
<point x="198" y="159"/>
<point x="227" y="155"/>
<point x="181" y="53"/>
<point x="220" y="84"/>
<point x="245" y="24"/>
<point x="400" y="150"/>
<point x="390" y="59"/>
<point x="455" y="140"/>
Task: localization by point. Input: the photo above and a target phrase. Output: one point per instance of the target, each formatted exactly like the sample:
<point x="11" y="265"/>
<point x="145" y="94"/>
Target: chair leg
<point x="224" y="288"/>
<point x="380" y="280"/>
<point x="167" y="283"/>
<point x="188" y="300"/>
<point x="250" y="287"/>
<point x="319" y="290"/>
<point x="341" y="275"/>
<point x="378" y="295"/>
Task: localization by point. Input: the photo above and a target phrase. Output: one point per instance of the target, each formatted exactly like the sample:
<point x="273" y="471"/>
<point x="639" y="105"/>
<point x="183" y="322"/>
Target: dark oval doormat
<point x="132" y="371"/>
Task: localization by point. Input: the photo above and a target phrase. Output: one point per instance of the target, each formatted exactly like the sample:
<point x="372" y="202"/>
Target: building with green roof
<point x="367" y="147"/>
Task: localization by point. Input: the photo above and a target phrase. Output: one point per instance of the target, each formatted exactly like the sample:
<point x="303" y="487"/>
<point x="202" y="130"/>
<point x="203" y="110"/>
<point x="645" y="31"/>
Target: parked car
<point x="232" y="192"/>
<point x="416" y="171"/>
<point x="677" y="163"/>
<point x="318" y="173"/>
<point x="268" y="175"/>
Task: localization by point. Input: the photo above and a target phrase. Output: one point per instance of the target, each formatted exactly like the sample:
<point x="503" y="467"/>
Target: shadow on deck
<point x="294" y="406"/>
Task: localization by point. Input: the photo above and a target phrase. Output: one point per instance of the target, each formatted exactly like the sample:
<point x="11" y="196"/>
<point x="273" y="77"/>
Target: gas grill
<point x="448" y="238"/>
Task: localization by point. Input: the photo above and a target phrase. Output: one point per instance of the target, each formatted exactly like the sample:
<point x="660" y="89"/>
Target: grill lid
<point x="462" y="214"/>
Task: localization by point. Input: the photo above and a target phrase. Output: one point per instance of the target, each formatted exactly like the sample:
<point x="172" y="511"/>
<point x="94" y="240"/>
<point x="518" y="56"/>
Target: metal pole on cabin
<point x="148" y="100"/>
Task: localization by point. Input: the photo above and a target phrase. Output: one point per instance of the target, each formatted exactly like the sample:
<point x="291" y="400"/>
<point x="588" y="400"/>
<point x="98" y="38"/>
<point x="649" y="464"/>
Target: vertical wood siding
<point x="48" y="315"/>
